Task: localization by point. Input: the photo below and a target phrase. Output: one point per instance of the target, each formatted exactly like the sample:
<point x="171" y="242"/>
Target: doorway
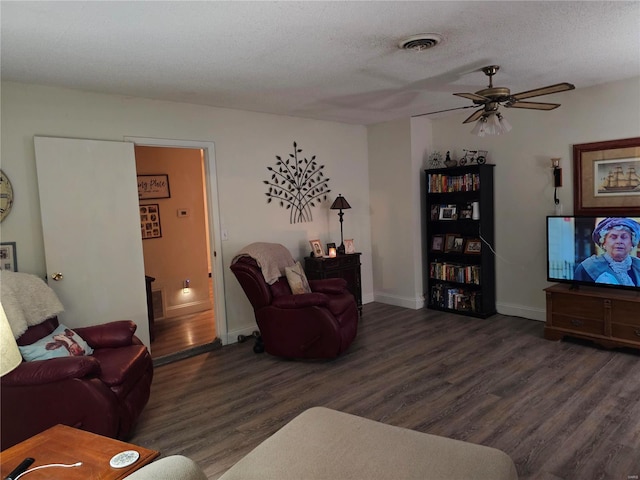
<point x="182" y="262"/>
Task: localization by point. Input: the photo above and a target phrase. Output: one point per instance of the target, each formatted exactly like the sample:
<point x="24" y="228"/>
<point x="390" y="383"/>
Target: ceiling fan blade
<point x="474" y="116"/>
<point x="473" y="96"/>
<point x="447" y="110"/>
<point x="536" y="92"/>
<point x="533" y="105"/>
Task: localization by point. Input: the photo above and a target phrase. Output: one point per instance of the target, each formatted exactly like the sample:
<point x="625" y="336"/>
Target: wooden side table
<point x="67" y="445"/>
<point x="345" y="266"/>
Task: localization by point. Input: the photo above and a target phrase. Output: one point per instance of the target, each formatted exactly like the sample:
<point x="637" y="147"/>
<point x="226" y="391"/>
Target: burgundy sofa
<point x="320" y="324"/>
<point x="104" y="392"/>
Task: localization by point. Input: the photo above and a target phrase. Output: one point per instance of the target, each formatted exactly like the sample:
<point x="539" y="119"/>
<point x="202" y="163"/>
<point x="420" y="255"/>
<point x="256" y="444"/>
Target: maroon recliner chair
<point x="103" y="393"/>
<point x="320" y="324"/>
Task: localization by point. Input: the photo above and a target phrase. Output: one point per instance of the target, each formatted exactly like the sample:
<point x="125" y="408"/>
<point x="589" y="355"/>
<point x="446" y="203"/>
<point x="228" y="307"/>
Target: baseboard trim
<point x="521" y="311"/>
<point x="398" y="301"/>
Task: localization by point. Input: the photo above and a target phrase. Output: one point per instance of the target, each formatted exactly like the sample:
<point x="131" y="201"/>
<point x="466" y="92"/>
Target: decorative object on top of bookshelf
<point x="297" y="185"/>
<point x="450" y="162"/>
<point x="448" y="212"/>
<point x="437" y="243"/>
<point x="473" y="246"/>
<point x="340" y="203"/>
<point x="606" y="178"/>
<point x="349" y="246"/>
<point x="316" y="248"/>
<point x="458" y="244"/>
<point x="449" y="240"/>
<point x="435" y="160"/>
<point x="471" y="156"/>
<point x="329" y="247"/>
<point x="8" y="257"/>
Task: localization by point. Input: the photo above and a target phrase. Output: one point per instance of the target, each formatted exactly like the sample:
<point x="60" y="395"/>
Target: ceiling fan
<point x="492" y="98"/>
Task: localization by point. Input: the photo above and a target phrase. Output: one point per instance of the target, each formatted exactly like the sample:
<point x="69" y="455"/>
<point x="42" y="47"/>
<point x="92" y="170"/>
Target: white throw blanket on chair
<point x="27" y="300"/>
<point x="272" y="258"/>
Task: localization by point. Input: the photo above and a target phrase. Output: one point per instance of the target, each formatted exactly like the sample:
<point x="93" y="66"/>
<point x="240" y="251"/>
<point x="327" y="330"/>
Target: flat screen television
<point x="600" y="251"/>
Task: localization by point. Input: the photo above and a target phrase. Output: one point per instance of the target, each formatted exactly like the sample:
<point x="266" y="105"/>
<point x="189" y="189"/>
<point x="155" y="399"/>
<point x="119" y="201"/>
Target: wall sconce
<point x="340" y="203"/>
<point x="332" y="252"/>
<point x="186" y="286"/>
<point x="557" y="178"/>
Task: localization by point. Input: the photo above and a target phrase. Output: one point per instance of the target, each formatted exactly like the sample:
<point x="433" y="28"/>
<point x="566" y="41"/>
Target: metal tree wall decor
<point x="297" y="184"/>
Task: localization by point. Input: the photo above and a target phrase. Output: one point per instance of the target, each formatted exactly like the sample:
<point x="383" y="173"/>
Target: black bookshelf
<point x="461" y="274"/>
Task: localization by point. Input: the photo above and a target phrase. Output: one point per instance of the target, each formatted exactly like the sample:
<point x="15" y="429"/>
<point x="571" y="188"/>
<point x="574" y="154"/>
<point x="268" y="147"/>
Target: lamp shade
<point x="10" y="356"/>
<point x="340" y="203"/>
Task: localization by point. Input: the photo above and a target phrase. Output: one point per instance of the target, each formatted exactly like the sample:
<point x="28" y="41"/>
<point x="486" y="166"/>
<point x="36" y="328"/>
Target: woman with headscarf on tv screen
<point x="617" y="237"/>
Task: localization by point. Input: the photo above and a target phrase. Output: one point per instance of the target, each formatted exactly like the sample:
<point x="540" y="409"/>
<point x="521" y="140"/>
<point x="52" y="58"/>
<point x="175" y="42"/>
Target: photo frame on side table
<point x="349" y="246"/>
<point x="8" y="257"/>
<point x="607" y="178"/>
<point x="316" y="248"/>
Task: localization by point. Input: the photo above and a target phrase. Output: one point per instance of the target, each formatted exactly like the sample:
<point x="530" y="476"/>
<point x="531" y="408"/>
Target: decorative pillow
<point x="297" y="279"/>
<point x="62" y="342"/>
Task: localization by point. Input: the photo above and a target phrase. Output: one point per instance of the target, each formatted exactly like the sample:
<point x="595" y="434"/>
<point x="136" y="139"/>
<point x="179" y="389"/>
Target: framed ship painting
<point x="607" y="178"/>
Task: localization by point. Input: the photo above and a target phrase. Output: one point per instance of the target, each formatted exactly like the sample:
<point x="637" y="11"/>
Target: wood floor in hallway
<point x="182" y="333"/>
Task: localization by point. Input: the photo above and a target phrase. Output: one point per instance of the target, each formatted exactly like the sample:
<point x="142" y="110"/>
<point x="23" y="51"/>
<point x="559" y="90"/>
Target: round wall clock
<point x="6" y="196"/>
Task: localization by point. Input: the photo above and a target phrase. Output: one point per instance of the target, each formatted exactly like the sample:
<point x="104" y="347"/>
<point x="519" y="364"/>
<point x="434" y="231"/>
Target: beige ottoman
<point x="330" y="445"/>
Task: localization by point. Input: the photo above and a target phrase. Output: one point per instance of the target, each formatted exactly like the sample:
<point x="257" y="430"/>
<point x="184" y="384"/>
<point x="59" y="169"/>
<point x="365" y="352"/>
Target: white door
<point x="91" y="228"/>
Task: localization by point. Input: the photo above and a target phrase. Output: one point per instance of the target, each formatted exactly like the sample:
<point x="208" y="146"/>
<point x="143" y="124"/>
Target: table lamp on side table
<point x="340" y="203"/>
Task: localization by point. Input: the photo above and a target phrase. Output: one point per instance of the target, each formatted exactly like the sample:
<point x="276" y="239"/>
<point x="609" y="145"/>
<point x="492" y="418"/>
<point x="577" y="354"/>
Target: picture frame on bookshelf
<point x="435" y="211"/>
<point x="448" y="212"/>
<point x="450" y="238"/>
<point x="437" y="243"/>
<point x="466" y="212"/>
<point x="458" y="245"/>
<point x="473" y="246"/>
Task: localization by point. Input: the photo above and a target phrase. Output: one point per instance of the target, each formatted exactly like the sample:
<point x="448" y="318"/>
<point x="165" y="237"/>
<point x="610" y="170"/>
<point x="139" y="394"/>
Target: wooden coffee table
<point x="62" y="444"/>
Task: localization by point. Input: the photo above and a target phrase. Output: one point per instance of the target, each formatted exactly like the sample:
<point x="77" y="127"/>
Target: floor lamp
<point x="340" y="203"/>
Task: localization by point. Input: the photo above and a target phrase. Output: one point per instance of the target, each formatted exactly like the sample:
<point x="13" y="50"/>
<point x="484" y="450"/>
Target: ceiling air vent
<point x="421" y="42"/>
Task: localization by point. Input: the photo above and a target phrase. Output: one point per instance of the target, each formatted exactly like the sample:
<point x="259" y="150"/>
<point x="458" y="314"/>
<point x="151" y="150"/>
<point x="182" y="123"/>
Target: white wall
<point x="397" y="156"/>
<point x="524" y="182"/>
<point x="245" y="145"/>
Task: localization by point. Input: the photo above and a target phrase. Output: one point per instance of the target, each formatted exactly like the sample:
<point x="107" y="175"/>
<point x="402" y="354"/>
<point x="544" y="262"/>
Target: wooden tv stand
<point x="603" y="315"/>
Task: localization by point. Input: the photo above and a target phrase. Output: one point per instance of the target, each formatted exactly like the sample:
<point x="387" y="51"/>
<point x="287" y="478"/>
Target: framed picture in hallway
<point x="150" y="226"/>
<point x="153" y="186"/>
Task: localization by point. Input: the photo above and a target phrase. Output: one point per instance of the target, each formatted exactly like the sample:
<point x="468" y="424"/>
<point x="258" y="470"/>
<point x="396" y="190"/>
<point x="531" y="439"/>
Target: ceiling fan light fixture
<point x="420" y="42"/>
<point x="506" y="126"/>
<point x="479" y="128"/>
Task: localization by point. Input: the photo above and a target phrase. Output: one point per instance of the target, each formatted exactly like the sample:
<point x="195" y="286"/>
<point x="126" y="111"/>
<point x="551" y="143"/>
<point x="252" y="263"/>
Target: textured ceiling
<point x="335" y="61"/>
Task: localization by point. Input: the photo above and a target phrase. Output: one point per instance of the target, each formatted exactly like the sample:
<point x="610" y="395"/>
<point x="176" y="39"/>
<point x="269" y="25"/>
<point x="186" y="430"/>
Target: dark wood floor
<point x="561" y="410"/>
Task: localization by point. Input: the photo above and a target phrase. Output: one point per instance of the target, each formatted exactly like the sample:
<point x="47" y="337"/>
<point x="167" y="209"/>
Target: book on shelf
<point x="454" y="298"/>
<point x="442" y="183"/>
